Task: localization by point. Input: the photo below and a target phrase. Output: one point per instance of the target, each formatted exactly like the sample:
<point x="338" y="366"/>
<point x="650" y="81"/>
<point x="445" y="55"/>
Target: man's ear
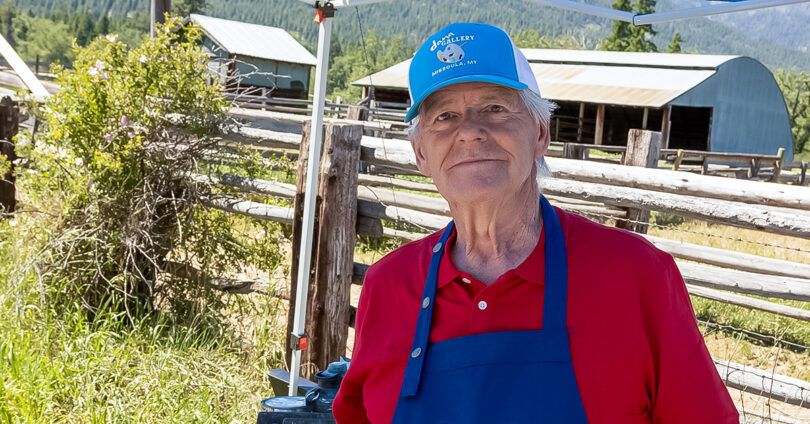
<point x="421" y="160"/>
<point x="543" y="141"/>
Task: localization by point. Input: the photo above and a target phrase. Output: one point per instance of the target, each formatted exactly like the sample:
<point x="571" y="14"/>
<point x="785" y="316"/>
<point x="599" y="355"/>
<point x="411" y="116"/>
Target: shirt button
<point x="482" y="305"/>
<point x="466" y="280"/>
<point x="416" y="352"/>
<point x="437" y="247"/>
<point x="426" y="303"/>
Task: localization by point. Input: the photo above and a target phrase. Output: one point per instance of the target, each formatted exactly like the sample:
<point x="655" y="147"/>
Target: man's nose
<point x="471" y="128"/>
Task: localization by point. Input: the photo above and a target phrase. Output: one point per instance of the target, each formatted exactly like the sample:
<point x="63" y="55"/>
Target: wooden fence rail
<point x="397" y="154"/>
<point x="679" y="182"/>
<point x="722" y="276"/>
<point x="771" y="277"/>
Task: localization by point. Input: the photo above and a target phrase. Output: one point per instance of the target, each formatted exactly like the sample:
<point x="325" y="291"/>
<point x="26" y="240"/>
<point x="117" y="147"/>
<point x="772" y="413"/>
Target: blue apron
<point x="505" y="377"/>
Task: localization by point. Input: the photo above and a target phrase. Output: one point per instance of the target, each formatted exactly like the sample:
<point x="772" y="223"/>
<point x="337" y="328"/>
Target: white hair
<point x="540" y="109"/>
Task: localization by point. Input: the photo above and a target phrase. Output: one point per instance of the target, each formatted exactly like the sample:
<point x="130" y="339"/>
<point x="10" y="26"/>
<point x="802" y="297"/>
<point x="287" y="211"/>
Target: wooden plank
<point x="764" y="383"/>
<point x="765" y="218"/>
<point x="678" y="159"/>
<point x="753" y="192"/>
<point x="777" y="166"/>
<point x="300" y="119"/>
<point x="419" y="202"/>
<point x="424" y="220"/>
<point x="388" y="152"/>
<point x="666" y="123"/>
<point x="599" y="129"/>
<point x="698" y="155"/>
<point x="227" y="285"/>
<point x="328" y="303"/>
<point x="404" y="235"/>
<point x="252" y="209"/>
<point x="386" y="181"/>
<point x="749" y="302"/>
<point x="366" y="226"/>
<point x="643" y="148"/>
<point x="9" y="125"/>
<point x="357" y="113"/>
<point x="745" y="282"/>
<point x="730" y="259"/>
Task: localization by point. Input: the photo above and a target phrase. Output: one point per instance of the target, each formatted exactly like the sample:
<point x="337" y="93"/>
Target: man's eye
<point x="496" y="108"/>
<point x="443" y="116"/>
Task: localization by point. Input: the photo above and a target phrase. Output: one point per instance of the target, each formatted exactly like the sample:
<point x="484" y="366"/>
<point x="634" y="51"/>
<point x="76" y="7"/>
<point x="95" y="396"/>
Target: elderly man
<point x="517" y="312"/>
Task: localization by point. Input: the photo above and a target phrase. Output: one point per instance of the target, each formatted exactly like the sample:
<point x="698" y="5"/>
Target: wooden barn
<point x="699" y="102"/>
<point x="256" y="59"/>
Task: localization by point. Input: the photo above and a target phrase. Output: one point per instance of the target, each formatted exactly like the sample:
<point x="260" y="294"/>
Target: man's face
<point x="478" y="141"/>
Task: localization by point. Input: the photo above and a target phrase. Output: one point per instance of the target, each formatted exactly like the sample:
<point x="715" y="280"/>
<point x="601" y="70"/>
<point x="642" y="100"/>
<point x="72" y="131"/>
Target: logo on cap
<point x="452" y="53"/>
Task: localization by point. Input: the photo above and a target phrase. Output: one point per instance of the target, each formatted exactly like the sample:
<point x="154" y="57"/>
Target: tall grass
<point x="56" y="366"/>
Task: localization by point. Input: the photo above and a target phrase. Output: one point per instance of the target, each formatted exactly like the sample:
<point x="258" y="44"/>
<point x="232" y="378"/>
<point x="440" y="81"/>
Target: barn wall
<point x="749" y="111"/>
<point x="217" y="60"/>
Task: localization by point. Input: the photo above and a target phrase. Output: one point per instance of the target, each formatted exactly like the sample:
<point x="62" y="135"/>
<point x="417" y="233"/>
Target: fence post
<point x="643" y="149"/>
<point x="328" y="311"/>
<point x="9" y="125"/>
<point x="777" y="164"/>
<point x="357" y="113"/>
<point x="575" y="151"/>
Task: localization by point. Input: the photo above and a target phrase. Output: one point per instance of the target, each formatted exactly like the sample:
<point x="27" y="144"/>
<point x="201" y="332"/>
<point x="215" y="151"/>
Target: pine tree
<point x="627" y="37"/>
<point x="674" y="46"/>
<point x="9" y="12"/>
<point x="83" y="27"/>
<point x="102" y="25"/>
<point x="187" y="7"/>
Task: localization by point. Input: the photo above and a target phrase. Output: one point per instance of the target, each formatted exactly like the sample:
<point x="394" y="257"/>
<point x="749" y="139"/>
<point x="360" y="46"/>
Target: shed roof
<point x="259" y="41"/>
<point x="620" y="78"/>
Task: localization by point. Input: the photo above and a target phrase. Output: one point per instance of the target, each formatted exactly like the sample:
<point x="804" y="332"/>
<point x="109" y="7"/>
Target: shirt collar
<point x="532" y="269"/>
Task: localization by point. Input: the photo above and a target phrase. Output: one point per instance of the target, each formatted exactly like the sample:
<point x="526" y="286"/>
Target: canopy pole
<point x="713" y="9"/>
<point x="324" y="36"/>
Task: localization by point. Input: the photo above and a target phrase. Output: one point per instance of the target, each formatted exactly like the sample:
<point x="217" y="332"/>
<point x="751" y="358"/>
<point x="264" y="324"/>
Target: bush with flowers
<point x="123" y="132"/>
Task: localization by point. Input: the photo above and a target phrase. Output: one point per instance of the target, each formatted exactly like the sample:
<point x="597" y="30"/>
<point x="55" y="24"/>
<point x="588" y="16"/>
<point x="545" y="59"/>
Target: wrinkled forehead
<point x="469" y="94"/>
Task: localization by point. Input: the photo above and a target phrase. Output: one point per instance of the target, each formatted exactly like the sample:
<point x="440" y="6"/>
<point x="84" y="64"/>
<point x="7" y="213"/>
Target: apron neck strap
<point x="554" y="303"/>
<point x="555" y="298"/>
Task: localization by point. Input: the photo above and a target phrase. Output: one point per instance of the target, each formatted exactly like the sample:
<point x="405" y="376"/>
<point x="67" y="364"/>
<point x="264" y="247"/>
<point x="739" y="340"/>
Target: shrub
<point x="125" y="129"/>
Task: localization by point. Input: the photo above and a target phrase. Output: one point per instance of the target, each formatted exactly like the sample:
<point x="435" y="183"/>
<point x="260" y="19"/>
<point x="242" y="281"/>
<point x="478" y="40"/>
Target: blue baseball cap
<point x="465" y="52"/>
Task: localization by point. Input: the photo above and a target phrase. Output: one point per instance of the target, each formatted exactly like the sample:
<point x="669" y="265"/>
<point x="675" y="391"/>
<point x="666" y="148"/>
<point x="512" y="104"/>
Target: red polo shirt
<point x="637" y="353"/>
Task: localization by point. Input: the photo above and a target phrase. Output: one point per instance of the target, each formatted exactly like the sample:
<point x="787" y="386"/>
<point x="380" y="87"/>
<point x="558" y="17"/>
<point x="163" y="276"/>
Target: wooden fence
<point x="362" y="202"/>
<point x="738" y="165"/>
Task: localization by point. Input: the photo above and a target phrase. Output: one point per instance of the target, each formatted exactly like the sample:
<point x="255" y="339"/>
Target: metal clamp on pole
<point x="324" y="10"/>
<point x="298" y="341"/>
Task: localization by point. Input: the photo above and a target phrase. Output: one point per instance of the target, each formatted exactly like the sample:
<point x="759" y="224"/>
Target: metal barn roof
<point x="657" y="60"/>
<point x="259" y="41"/>
<point x="630" y="79"/>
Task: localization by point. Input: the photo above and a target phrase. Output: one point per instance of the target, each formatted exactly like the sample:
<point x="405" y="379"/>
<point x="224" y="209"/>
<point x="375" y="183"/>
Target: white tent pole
<point x="605" y="12"/>
<point x="714" y="9"/>
<point x="344" y="3"/>
<point x="658" y="17"/>
<point x="310" y="193"/>
<point x="18" y="65"/>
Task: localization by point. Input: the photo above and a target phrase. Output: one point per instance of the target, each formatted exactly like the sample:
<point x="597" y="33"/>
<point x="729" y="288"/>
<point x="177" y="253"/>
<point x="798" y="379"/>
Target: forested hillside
<point x="414" y="18"/>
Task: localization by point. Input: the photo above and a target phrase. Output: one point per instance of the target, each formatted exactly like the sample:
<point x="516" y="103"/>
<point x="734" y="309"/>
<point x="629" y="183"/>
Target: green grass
<point x="200" y="365"/>
<point x="803" y="156"/>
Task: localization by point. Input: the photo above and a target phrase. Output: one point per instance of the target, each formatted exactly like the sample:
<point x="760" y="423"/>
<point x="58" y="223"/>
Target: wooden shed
<point x="256" y="59"/>
<point x="715" y="103"/>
